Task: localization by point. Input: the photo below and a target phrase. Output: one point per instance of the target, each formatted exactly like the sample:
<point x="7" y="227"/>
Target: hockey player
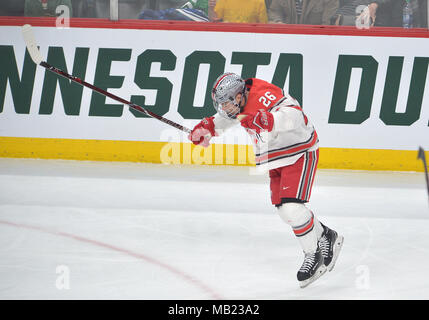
<point x="286" y="142"/>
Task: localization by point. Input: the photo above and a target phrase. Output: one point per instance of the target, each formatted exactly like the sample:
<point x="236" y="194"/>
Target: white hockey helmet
<point x="225" y="89"/>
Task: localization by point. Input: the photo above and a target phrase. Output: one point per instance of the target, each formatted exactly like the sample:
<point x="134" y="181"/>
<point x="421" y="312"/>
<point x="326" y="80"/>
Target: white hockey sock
<point x="306" y="227"/>
<point x="318" y="228"/>
<point x="308" y="241"/>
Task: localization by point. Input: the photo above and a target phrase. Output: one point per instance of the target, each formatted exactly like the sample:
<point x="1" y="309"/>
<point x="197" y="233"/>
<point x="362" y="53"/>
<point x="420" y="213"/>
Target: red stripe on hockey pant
<point x="305" y="177"/>
<point x="304" y="169"/>
<point x="308" y="176"/>
<point x="315" y="162"/>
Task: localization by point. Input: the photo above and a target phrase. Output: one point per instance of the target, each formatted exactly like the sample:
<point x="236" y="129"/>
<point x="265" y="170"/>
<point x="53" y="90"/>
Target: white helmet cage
<point x="225" y="89"/>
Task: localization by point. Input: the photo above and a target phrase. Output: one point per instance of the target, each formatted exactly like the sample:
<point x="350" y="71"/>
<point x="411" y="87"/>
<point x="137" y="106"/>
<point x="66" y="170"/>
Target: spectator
<point x="202" y="5"/>
<point x="12" y="8"/>
<point x="47" y="8"/>
<point x="380" y="13"/>
<point x="421" y="16"/>
<point x="128" y="9"/>
<point x="193" y="10"/>
<point x="314" y="12"/>
<point x="207" y="6"/>
<point x="84" y="8"/>
<point x="212" y="13"/>
<point x="245" y="11"/>
<point x="168" y="4"/>
<point x="388" y="13"/>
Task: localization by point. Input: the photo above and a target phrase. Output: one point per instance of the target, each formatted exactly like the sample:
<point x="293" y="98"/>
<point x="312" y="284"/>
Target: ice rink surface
<point x="96" y="230"/>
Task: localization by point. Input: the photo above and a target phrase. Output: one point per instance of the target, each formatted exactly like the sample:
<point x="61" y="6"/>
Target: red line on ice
<point x="188" y="278"/>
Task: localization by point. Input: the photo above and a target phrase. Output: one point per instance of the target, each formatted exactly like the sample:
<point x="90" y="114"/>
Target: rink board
<point x="186" y="153"/>
<point x="368" y="103"/>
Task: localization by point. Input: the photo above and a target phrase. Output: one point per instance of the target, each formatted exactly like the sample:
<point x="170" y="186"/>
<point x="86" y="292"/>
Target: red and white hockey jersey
<point x="292" y="134"/>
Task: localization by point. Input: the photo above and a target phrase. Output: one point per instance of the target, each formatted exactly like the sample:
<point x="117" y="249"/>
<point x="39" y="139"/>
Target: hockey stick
<point x="421" y="155"/>
<point x="34" y="52"/>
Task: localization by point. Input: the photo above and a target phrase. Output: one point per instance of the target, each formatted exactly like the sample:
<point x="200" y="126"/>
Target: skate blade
<point x="316" y="276"/>
<point x="337" y="248"/>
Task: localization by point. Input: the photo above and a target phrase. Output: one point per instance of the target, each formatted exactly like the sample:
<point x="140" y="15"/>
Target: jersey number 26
<point x="267" y="98"/>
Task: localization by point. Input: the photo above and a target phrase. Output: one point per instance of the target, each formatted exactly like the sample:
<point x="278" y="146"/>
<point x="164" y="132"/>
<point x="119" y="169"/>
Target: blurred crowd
<point x="386" y="13"/>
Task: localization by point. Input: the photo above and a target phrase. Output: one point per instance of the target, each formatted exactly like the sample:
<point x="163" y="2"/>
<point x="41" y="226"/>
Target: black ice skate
<point x="312" y="268"/>
<point x="330" y="245"/>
